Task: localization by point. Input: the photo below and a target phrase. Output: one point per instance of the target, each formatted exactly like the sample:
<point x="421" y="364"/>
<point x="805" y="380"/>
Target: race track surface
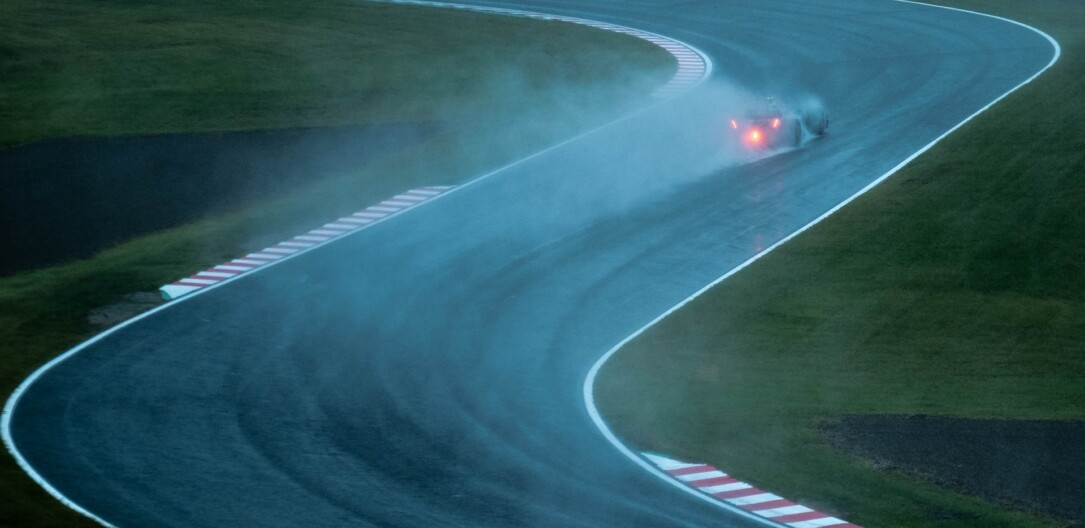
<point x="428" y="371"/>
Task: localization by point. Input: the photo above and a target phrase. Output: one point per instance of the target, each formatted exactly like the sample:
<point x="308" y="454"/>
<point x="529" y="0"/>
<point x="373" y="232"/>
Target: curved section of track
<point x="693" y="66"/>
<point x="428" y="371"/>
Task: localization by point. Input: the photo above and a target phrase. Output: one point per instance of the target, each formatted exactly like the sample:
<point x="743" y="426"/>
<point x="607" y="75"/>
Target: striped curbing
<point x="693" y="65"/>
<point x="724" y="488"/>
<point x="313" y="238"/>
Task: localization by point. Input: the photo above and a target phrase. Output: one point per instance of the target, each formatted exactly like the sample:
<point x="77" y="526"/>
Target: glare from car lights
<point x="776" y="123"/>
<point x="754" y="136"/>
<point x="734" y="124"/>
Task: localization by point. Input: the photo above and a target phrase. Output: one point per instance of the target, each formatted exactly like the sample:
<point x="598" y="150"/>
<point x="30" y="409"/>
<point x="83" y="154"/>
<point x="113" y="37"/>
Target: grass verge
<point x="114" y="67"/>
<point x="498" y="87"/>
<point x="955" y="288"/>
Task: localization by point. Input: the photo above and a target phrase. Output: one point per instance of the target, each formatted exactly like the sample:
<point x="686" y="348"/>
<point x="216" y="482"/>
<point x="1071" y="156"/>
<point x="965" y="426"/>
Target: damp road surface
<point x="428" y="370"/>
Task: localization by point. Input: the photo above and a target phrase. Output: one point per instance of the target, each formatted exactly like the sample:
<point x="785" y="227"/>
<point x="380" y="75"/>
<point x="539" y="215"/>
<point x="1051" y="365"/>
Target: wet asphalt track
<point x="428" y="370"/>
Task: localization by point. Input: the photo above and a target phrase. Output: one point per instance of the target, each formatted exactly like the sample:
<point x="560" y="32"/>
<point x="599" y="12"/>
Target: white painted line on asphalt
<point x="5" y="419"/>
<point x="786" y="510"/>
<point x="754" y="499"/>
<point x="715" y="473"/>
<point x="13" y="399"/>
<point x="228" y="267"/>
<point x="726" y="487"/>
<point x="711" y="482"/>
<point x="292" y="246"/>
<point x="589" y="381"/>
<point x="437" y="192"/>
<point x="668" y="464"/>
<point x="817" y="523"/>
<point x="181" y="289"/>
<point x="703" y="67"/>
<point x="198" y="281"/>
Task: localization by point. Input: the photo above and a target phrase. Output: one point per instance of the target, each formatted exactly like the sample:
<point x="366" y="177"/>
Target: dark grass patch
<point x="319" y="88"/>
<point x="1033" y="465"/>
<point x="115" y="67"/>
<point x="66" y="199"/>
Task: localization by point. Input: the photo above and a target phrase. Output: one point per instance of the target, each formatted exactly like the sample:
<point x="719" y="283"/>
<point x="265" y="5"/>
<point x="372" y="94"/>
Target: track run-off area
<point x="429" y="370"/>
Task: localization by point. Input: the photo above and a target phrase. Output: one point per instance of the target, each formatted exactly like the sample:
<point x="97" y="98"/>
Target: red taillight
<point x="734" y="124"/>
<point x="776" y="123"/>
<point x="754" y="136"/>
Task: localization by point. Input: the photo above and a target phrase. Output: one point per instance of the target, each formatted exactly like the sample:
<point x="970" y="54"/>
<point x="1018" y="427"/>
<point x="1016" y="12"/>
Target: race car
<point x="772" y="127"/>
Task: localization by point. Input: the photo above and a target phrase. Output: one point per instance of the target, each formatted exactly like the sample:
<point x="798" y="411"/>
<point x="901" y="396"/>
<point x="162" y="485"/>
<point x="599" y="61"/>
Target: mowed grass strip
<point x="496" y="87"/>
<point x="956" y="288"/>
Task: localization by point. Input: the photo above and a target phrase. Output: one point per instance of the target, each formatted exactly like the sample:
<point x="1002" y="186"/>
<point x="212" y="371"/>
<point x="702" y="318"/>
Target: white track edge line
<point x="9" y="407"/>
<point x="13" y="399"/>
<point x="589" y="381"/>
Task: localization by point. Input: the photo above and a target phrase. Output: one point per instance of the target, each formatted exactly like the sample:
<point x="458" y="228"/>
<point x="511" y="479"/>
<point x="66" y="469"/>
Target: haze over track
<point x="431" y="373"/>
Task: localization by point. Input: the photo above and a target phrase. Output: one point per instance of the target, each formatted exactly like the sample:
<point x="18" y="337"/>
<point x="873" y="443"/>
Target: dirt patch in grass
<point x="128" y="307"/>
<point x="1033" y="465"/>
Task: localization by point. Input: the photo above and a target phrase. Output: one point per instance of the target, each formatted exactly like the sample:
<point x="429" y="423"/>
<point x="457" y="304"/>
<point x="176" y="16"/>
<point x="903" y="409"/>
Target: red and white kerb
<point x="315" y="237"/>
<point x="717" y="484"/>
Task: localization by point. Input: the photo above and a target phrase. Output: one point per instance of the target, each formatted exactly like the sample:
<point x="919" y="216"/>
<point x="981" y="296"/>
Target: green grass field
<point x="120" y="68"/>
<point x="955" y="288"/>
<point x="115" y="68"/>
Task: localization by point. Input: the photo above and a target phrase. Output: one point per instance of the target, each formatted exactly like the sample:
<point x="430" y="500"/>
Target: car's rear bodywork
<point x="772" y="127"/>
